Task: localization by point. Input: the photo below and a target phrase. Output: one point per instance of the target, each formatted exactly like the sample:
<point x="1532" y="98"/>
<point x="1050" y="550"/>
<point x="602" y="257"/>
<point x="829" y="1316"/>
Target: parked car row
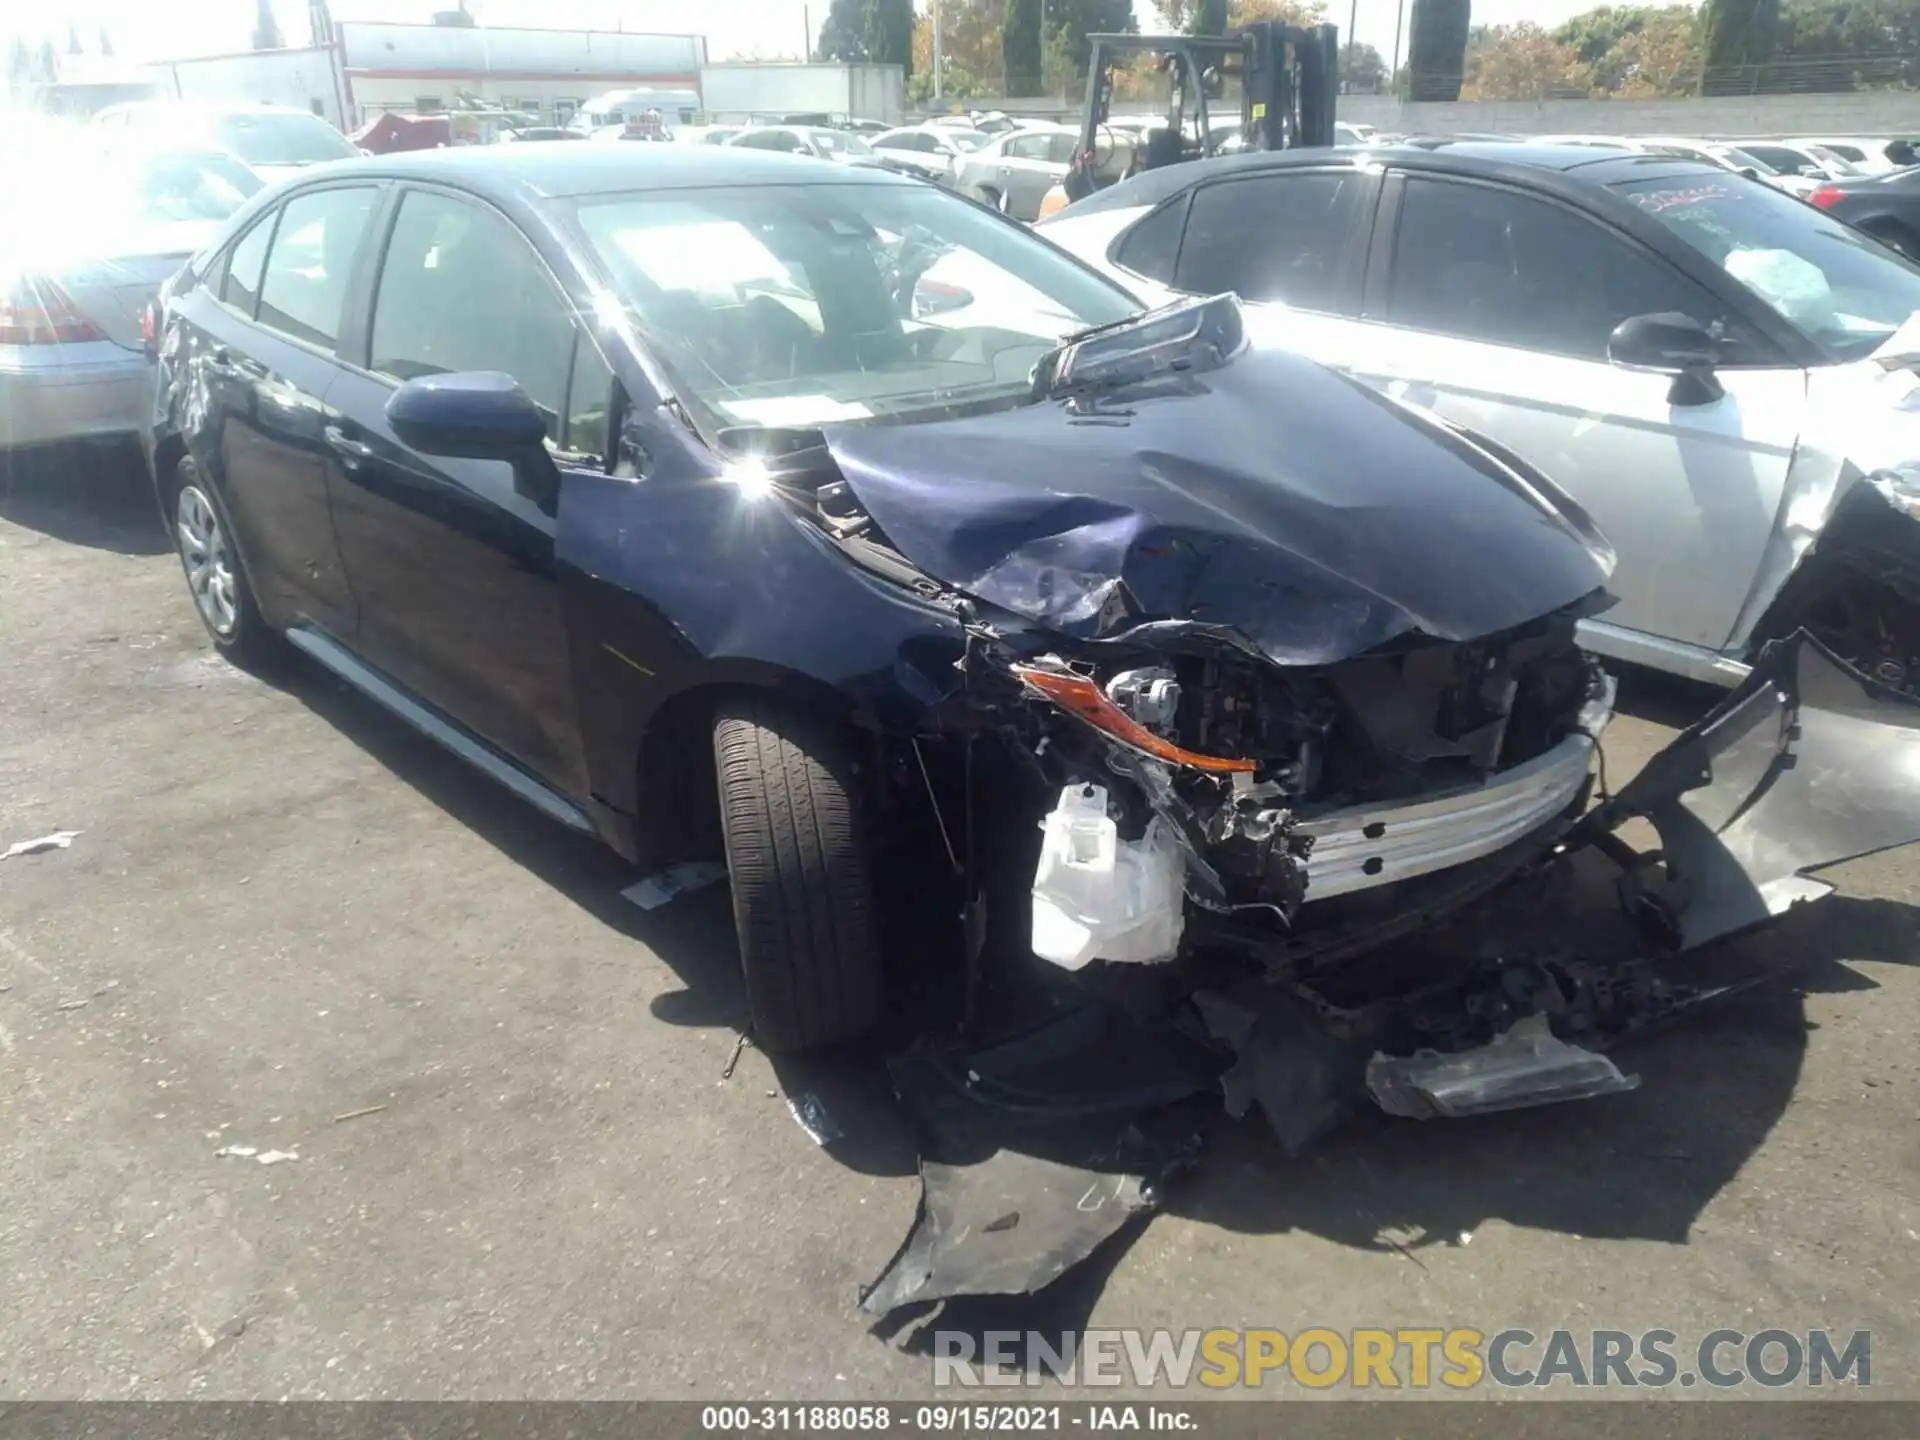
<point x="715" y="500"/>
<point x="117" y="213"/>
<point x="1709" y="367"/>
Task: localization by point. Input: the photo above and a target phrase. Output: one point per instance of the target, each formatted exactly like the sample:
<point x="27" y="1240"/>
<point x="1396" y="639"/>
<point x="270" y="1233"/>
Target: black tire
<point x="802" y="892"/>
<point x="247" y="640"/>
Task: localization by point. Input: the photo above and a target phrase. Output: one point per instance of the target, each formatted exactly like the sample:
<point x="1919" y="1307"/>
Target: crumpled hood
<point x="1270" y="497"/>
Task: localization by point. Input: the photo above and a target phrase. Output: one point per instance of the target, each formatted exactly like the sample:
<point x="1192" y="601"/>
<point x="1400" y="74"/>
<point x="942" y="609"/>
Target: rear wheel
<point x="802" y="888"/>
<point x="222" y="595"/>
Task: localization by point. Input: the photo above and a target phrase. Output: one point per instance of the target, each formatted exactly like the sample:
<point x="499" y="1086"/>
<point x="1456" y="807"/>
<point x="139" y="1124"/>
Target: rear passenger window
<point x="1490" y="265"/>
<point x="304" y="292"/>
<point x="460" y="290"/>
<point x="1153" y="245"/>
<point x="1270" y="237"/>
<point x="241" y="287"/>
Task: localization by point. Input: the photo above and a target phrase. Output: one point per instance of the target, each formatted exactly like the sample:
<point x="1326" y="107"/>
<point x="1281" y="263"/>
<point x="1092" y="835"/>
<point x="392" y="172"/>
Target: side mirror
<point x="1670" y="344"/>
<point x="480" y="415"/>
<point x="1749" y="172"/>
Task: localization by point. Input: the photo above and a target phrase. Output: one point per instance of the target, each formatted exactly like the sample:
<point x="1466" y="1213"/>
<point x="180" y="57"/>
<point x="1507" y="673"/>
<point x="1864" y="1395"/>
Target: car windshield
<point x="1844" y="291"/>
<point x="281" y="139"/>
<point x="802" y="304"/>
<point x="837" y="142"/>
<point x="168" y="188"/>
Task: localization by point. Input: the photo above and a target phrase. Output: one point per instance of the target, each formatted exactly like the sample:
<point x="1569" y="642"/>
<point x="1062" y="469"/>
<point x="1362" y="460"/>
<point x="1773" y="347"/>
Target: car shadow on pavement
<point x="94" y="496"/>
<point x="692" y="934"/>
<point x="1643" y="1165"/>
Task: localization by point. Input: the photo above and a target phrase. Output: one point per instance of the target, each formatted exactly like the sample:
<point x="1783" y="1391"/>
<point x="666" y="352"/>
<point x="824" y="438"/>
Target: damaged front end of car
<point x="1281" y="689"/>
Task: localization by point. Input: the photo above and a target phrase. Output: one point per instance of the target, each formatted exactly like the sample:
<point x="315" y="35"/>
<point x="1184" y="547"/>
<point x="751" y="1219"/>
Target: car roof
<point x="511" y="172"/>
<point x="1491" y="159"/>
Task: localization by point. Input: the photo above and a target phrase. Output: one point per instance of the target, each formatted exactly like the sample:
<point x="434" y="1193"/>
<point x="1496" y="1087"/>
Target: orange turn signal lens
<point x="1079" y="696"/>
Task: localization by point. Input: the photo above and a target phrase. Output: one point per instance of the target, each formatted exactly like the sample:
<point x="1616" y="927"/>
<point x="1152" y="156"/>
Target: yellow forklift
<point x="1263" y="86"/>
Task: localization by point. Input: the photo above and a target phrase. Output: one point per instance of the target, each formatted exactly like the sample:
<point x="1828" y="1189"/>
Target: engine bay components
<point x="1098" y="897"/>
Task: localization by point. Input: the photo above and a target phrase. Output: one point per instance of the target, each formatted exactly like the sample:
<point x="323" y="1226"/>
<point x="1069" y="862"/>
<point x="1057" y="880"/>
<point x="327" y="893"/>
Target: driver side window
<point x="1487" y="264"/>
<point x="462" y="290"/>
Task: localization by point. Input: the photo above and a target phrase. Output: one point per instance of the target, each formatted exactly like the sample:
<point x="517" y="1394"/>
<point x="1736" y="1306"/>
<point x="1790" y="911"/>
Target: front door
<point x="452" y="560"/>
<point x="1495" y="312"/>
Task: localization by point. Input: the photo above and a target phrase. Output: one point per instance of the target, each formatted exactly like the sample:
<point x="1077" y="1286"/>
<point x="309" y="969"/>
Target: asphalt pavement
<point x="288" y="924"/>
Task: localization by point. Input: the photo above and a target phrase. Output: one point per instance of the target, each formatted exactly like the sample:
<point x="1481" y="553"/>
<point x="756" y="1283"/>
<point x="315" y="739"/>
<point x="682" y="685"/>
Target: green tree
<point x="1637" y="51"/>
<point x="1078" y="19"/>
<point x="1740" y="39"/>
<point x="266" y="27"/>
<point x="842" y="34"/>
<point x="1437" y="48"/>
<point x="1363" y="69"/>
<point x="1209" y="18"/>
<point x="889" y="25"/>
<point x="1020" y="48"/>
<point x="1521" y="62"/>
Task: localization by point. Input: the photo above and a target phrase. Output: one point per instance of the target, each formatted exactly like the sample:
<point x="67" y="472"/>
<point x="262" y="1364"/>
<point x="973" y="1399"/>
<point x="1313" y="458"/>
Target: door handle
<point x="345" y="445"/>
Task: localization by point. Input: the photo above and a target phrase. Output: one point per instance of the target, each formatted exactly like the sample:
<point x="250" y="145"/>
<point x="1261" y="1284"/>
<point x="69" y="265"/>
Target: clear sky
<point x="159" y="29"/>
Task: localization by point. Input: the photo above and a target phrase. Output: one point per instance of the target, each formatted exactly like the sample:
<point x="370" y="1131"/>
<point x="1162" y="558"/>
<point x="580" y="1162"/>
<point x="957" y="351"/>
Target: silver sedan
<point x="79" y="269"/>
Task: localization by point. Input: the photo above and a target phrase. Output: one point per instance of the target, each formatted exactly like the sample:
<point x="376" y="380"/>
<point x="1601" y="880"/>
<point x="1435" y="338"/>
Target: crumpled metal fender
<point x="1863" y="419"/>
<point x="1807" y="764"/>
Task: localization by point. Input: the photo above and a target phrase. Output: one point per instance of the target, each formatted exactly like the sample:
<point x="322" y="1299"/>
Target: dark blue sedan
<point x="728" y="503"/>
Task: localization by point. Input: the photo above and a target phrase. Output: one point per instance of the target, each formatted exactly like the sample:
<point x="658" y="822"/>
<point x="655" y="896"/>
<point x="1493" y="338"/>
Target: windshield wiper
<point x="1186" y="336"/>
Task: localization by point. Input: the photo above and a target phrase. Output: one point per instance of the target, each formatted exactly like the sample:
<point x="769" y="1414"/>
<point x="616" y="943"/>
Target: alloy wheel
<point x="209" y="563"/>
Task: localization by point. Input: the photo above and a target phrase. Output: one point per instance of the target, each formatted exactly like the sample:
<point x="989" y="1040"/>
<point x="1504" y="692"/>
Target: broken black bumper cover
<point x="1035" y="1150"/>
<point x="1034" y="1153"/>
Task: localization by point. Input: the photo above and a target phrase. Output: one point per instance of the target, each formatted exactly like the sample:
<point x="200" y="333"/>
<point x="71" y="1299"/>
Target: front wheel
<point x="215" y="577"/>
<point x="802" y="889"/>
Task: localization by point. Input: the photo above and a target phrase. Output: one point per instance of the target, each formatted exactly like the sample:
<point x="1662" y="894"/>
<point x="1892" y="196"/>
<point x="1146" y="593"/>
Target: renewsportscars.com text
<point x="1416" y="1359"/>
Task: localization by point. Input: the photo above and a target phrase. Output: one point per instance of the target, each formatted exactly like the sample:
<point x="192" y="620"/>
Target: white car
<point x="273" y="140"/>
<point x="1724" y="378"/>
<point x="1872" y="156"/>
<point x="1712" y="152"/>
<point x="933" y="152"/>
<point x="1808" y="161"/>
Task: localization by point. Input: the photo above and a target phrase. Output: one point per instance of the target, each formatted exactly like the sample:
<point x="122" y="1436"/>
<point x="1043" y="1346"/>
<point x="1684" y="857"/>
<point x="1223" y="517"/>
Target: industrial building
<point x="547" y="75"/>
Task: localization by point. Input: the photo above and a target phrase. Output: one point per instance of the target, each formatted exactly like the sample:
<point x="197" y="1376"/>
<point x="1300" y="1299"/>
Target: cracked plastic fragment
<point x="1034" y="1152"/>
<point x="1305" y="1080"/>
<point x="1525" y="1066"/>
<point x="1807" y="764"/>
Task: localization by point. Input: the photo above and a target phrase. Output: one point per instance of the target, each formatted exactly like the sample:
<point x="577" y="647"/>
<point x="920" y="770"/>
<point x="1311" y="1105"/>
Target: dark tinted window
<point x="1492" y="265"/>
<point x="1153" y="245"/>
<point x="1788" y="162"/>
<point x="241" y="288"/>
<point x="461" y="289"/>
<point x="1060" y="148"/>
<point x="305" y="289"/>
<point x="1270" y="237"/>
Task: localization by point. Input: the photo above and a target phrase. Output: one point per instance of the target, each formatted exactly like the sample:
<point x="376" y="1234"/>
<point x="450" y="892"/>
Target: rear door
<point x="1024" y="174"/>
<point x="266" y="355"/>
<point x="453" y="567"/>
<point x="1493" y="307"/>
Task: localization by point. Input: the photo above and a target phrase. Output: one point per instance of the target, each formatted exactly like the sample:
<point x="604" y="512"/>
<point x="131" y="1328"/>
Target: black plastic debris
<point x="1034" y="1151"/>
<point x="1306" y="1081"/>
